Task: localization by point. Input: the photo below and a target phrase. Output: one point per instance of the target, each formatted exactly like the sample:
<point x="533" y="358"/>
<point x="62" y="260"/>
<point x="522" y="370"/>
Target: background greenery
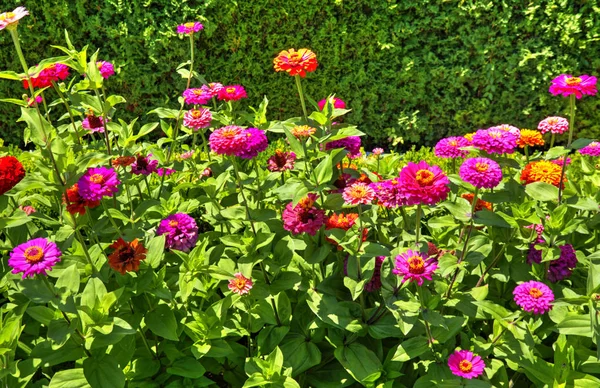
<point x="416" y="69"/>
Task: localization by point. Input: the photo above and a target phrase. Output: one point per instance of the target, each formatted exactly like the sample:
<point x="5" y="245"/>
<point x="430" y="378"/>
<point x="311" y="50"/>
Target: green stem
<point x="418" y="225"/>
<point x="571" y="130"/>
<point x="148" y="185"/>
<point x="66" y="104"/>
<point x="112" y="220"/>
<point x="526" y="154"/>
<point x="552" y="138"/>
<point x="258" y="189"/>
<point x="85" y="250"/>
<point x="205" y="146"/>
<point x="430" y="338"/>
<point x="104" y="122"/>
<point x="239" y="182"/>
<point x="268" y="283"/>
<point x="301" y="93"/>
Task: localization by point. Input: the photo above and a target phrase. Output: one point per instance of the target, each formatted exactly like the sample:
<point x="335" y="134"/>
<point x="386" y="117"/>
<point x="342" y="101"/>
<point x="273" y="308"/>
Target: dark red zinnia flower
<point x="75" y="202"/>
<point x="11" y="173"/>
<point x="123" y="161"/>
<point x="127" y="256"/>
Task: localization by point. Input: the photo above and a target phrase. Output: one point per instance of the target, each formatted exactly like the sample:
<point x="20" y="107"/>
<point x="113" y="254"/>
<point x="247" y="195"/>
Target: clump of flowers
<point x="303" y="131"/>
<point x="10" y="20"/>
<point x="480" y="205"/>
<point x="358" y="193"/>
<point x="495" y="141"/>
<point x="50" y="74"/>
<point x="337" y="103"/>
<point x="281" y="161"/>
<point x="76" y="204"/>
<point x="465" y="364"/>
<point x="554" y="124"/>
<point x="240" y="284"/>
<point x="180" y="230"/>
<point x="93" y="123"/>
<point x="530" y="138"/>
<point x="450" y="147"/>
<point x="106" y="69"/>
<point x="232" y="93"/>
<point x="34" y="257"/>
<point x="481" y="172"/>
<point x="423" y="184"/>
<point x="143" y="165"/>
<point x="11" y="173"/>
<point x="592" y="149"/>
<point x="126" y="256"/>
<point x="197" y="118"/>
<point x="414" y="266"/>
<point x="534" y="296"/>
<point x="198" y="96"/>
<point x="97" y="183"/>
<point x="189" y="28"/>
<point x="389" y="193"/>
<point x="304" y="217"/>
<point x="350" y="143"/>
<point x="296" y="62"/>
<point x="566" y="84"/>
<point x="255" y="143"/>
<point x="542" y="171"/>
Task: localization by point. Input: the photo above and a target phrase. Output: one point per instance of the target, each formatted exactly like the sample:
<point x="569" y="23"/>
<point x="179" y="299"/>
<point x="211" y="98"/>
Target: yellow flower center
<point x="295" y="58"/>
<point x="97" y="178"/>
<point x="495" y="134"/>
<point x="34" y="254"/>
<point x="189" y="25"/>
<point x="453" y="143"/>
<point x="198" y="92"/>
<point x="535" y="292"/>
<point x="572" y="81"/>
<point x="239" y="284"/>
<point x="173" y="223"/>
<point x="481" y="167"/>
<point x="552" y="121"/>
<point x="230" y="90"/>
<point x="7" y="15"/>
<point x="465" y="366"/>
<point x="424" y="177"/>
<point x="306" y="203"/>
<point x="196" y="114"/>
<point x="416" y="264"/>
<point x="230" y="132"/>
<point x="358" y="192"/>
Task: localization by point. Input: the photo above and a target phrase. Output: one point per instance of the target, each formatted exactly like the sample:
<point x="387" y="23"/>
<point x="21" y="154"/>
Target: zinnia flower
<point x="465" y="364"/>
<point x="143" y="165"/>
<point x="542" y="171"/>
<point x="281" y="161"/>
<point x="213" y="88"/>
<point x="358" y="193"/>
<point x="97" y="183"/>
<point x="49" y="74"/>
<point x="303" y="131"/>
<point x="256" y="142"/>
<point x="240" y="284"/>
<point x="450" y="147"/>
<point x="561" y="161"/>
<point x="414" y="266"/>
<point x="378" y="151"/>
<point x="27" y="209"/>
<point x="186" y="155"/>
<point x="197" y="118"/>
<point x="554" y="124"/>
<point x="10" y="20"/>
<point x="337" y="103"/>
<point x="375" y="283"/>
<point x="481" y="172"/>
<point x="197" y="96"/>
<point x="566" y="85"/>
<point x="350" y="143"/>
<point x="106" y="69"/>
<point x="181" y="232"/>
<point x="123" y="161"/>
<point x="421" y="183"/>
<point x="228" y="140"/>
<point x="93" y="123"/>
<point x="480" y="205"/>
<point x="75" y="202"/>
<point x="296" y="62"/>
<point x="34" y="257"/>
<point x="189" y="28"/>
<point x="127" y="256"/>
<point x="304" y="217"/>
<point x="33" y="101"/>
<point x="495" y="141"/>
<point x="165" y="171"/>
<point x="508" y="128"/>
<point x="11" y="173"/>
<point x="389" y="193"/>
<point x="344" y="222"/>
<point x="232" y="93"/>
<point x="562" y="267"/>
<point x="592" y="149"/>
<point x="533" y="296"/>
<point x="530" y="138"/>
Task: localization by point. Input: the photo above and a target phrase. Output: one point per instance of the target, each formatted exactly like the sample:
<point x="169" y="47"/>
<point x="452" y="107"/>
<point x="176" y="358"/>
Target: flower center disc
<point x="572" y="81"/>
<point x="535" y="293"/>
<point x="424" y="177"/>
<point x="7" y="15"/>
<point x="481" y="167"/>
<point x="173" y="223"/>
<point x="189" y="25"/>
<point x="198" y="92"/>
<point x="416" y="265"/>
<point x="34" y="254"/>
<point x="465" y="366"/>
<point x="97" y="178"/>
<point x="196" y="114"/>
<point x="230" y="90"/>
<point x="240" y="284"/>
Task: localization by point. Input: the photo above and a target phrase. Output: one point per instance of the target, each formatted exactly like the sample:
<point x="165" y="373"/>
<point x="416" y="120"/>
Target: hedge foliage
<point x="413" y="69"/>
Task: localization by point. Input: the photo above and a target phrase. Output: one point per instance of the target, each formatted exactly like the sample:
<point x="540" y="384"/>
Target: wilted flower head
<point x="350" y="143"/>
<point x="11" y="173"/>
<point x="181" y="232"/>
<point x="530" y="138"/>
<point x="450" y="147"/>
<point x="495" y="141"/>
<point x="10" y="20"/>
<point x="542" y="171"/>
<point x="567" y="84"/>
<point x="337" y="103"/>
<point x="465" y="364"/>
<point x="304" y="217"/>
<point x="414" y="266"/>
<point x="592" y="149"/>
<point x="481" y="172"/>
<point x="106" y="69"/>
<point x="97" y="183"/>
<point x="197" y="118"/>
<point x="296" y="62"/>
<point x="421" y="183"/>
<point x="533" y="296"/>
<point x="281" y="161"/>
<point x="554" y="124"/>
<point x="143" y="165"/>
<point x="232" y="93"/>
<point x="34" y="257"/>
<point x="126" y="256"/>
<point x="76" y="203"/>
<point x="240" y="284"/>
<point x="189" y="28"/>
<point x="358" y="193"/>
<point x="303" y="131"/>
<point x="197" y="96"/>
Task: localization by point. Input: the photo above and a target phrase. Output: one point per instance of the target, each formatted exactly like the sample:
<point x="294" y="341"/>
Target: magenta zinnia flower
<point x="256" y="142"/>
<point x="93" y="123"/>
<point x="10" y="20"/>
<point x="450" y="147"/>
<point x="165" y="171"/>
<point x="592" y="149"/>
<point x="197" y="96"/>
<point x="414" y="266"/>
<point x="281" y="161"/>
<point x="304" y="217"/>
<point x="189" y="28"/>
<point x="240" y="284"/>
<point x="229" y="140"/>
<point x="143" y="165"/>
<point x="533" y="296"/>
<point x="495" y="141"/>
<point x="181" y="232"/>
<point x="232" y="93"/>
<point x="106" y="69"/>
<point x="337" y="103"/>
<point x="566" y="85"/>
<point x="481" y="172"/>
<point x="389" y="193"/>
<point x="421" y="183"/>
<point x="358" y="193"/>
<point x="97" y="183"/>
<point x="465" y="364"/>
<point x="350" y="143"/>
<point x="34" y="257"/>
<point x="554" y="124"/>
<point x="197" y="118"/>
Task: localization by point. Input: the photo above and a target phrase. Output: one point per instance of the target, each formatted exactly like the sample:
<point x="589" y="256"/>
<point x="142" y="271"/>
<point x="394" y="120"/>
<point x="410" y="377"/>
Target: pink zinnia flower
<point x="281" y="161"/>
<point x="566" y="85"/>
<point x="465" y="364"/>
<point x="592" y="149"/>
<point x="143" y="165"/>
<point x="10" y="20"/>
<point x="350" y="143"/>
<point x="186" y="155"/>
<point x="358" y="193"/>
<point x="97" y="183"/>
<point x="228" y="140"/>
<point x="450" y="147"/>
<point x="240" y="284"/>
<point x="33" y="102"/>
<point x="256" y="142"/>
<point x="554" y="124"/>
<point x="34" y="257"/>
<point x="93" y="123"/>
<point x="106" y="69"/>
<point x="213" y="88"/>
<point x="414" y="266"/>
<point x="197" y="118"/>
<point x="421" y="183"/>
<point x="197" y="96"/>
<point x="533" y="296"/>
<point x="304" y="217"/>
<point x="181" y="232"/>
<point x="337" y="103"/>
<point x="481" y="172"/>
<point x="495" y="141"/>
<point x="508" y="128"/>
<point x="232" y="93"/>
<point x="378" y="151"/>
<point x="561" y="161"/>
<point x="27" y="209"/>
<point x="189" y="28"/>
<point x="389" y="193"/>
<point x="165" y="171"/>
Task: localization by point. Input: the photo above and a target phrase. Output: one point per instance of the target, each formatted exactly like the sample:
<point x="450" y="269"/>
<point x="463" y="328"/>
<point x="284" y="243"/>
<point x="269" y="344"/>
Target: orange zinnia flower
<point x="542" y="171"/>
<point x="127" y="256"/>
<point x="303" y="131"/>
<point x="481" y="204"/>
<point x="530" y="138"/>
<point x="296" y="62"/>
<point x="123" y="161"/>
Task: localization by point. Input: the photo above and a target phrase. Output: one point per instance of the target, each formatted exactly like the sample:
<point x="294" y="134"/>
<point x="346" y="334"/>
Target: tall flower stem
<point x="68" y="108"/>
<point x="258" y="189"/>
<point x="526" y="154"/>
<point x="552" y="138"/>
<point x="239" y="182"/>
<point x="430" y="338"/>
<point x="418" y="225"/>
<point x="571" y="130"/>
<point x="84" y="247"/>
<point x="492" y="265"/>
<point x="301" y="93"/>
<point x="205" y="145"/>
<point x="112" y="220"/>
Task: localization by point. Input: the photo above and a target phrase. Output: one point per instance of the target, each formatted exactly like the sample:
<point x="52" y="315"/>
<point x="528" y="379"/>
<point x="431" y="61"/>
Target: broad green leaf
<point x="103" y="372"/>
<point x="156" y="251"/>
<point x="360" y="362"/>
<point x="69" y="280"/>
<point x="187" y="367"/>
<point x="162" y="322"/>
<point x="542" y="191"/>
<point x="70" y="378"/>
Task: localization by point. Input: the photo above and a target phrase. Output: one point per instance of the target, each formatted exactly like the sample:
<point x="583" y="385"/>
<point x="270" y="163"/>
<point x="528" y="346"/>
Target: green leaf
<point x="556" y="152"/>
<point x="187" y="367"/>
<point x="71" y="378"/>
<point x="488" y="218"/>
<point x="542" y="191"/>
<point x="162" y="322"/>
<point x="11" y="75"/>
<point x="580" y="143"/>
<point x="156" y="251"/>
<point x="299" y="354"/>
<point x="575" y="325"/>
<point x="360" y="362"/>
<point x="69" y="280"/>
<point x="330" y="311"/>
<point x="324" y="171"/>
<point x="593" y="279"/>
<point x="41" y="314"/>
<point x="103" y="372"/>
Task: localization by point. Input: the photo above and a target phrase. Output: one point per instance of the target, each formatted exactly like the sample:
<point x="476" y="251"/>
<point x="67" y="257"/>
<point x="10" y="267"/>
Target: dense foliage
<point x="414" y="69"/>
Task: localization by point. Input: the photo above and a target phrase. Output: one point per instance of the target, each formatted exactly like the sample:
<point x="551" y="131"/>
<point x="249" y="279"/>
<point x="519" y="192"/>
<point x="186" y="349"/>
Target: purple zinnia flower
<point x="97" y="183"/>
<point x="337" y="103"/>
<point x="256" y="142"/>
<point x="450" y="147"/>
<point x="592" y="149"/>
<point x="143" y="165"/>
<point x="481" y="172"/>
<point x="93" y="123"/>
<point x="534" y="255"/>
<point x="350" y="143"/>
<point x="534" y="297"/>
<point x="562" y="267"/>
<point x="106" y="69"/>
<point x="165" y="171"/>
<point x="181" y="232"/>
<point x="414" y="266"/>
<point x="495" y="141"/>
<point x="566" y="84"/>
<point x="34" y="257"/>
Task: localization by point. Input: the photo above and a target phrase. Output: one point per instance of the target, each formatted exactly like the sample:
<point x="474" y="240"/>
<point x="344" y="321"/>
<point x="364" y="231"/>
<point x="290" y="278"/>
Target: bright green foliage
<point x="413" y="69"/>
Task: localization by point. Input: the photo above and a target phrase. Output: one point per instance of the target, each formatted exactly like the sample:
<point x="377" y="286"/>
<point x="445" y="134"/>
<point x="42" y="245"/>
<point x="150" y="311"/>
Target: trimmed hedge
<point x="413" y="69"/>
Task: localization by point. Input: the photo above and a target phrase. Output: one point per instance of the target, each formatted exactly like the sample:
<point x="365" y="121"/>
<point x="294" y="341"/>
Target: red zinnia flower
<point x="123" y="161"/>
<point x="11" y="173"/>
<point x="296" y="62"/>
<point x="127" y="256"/>
<point x="75" y="202"/>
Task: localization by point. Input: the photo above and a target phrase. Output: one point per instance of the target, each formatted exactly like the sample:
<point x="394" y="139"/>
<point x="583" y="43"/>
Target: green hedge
<point x="416" y="69"/>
